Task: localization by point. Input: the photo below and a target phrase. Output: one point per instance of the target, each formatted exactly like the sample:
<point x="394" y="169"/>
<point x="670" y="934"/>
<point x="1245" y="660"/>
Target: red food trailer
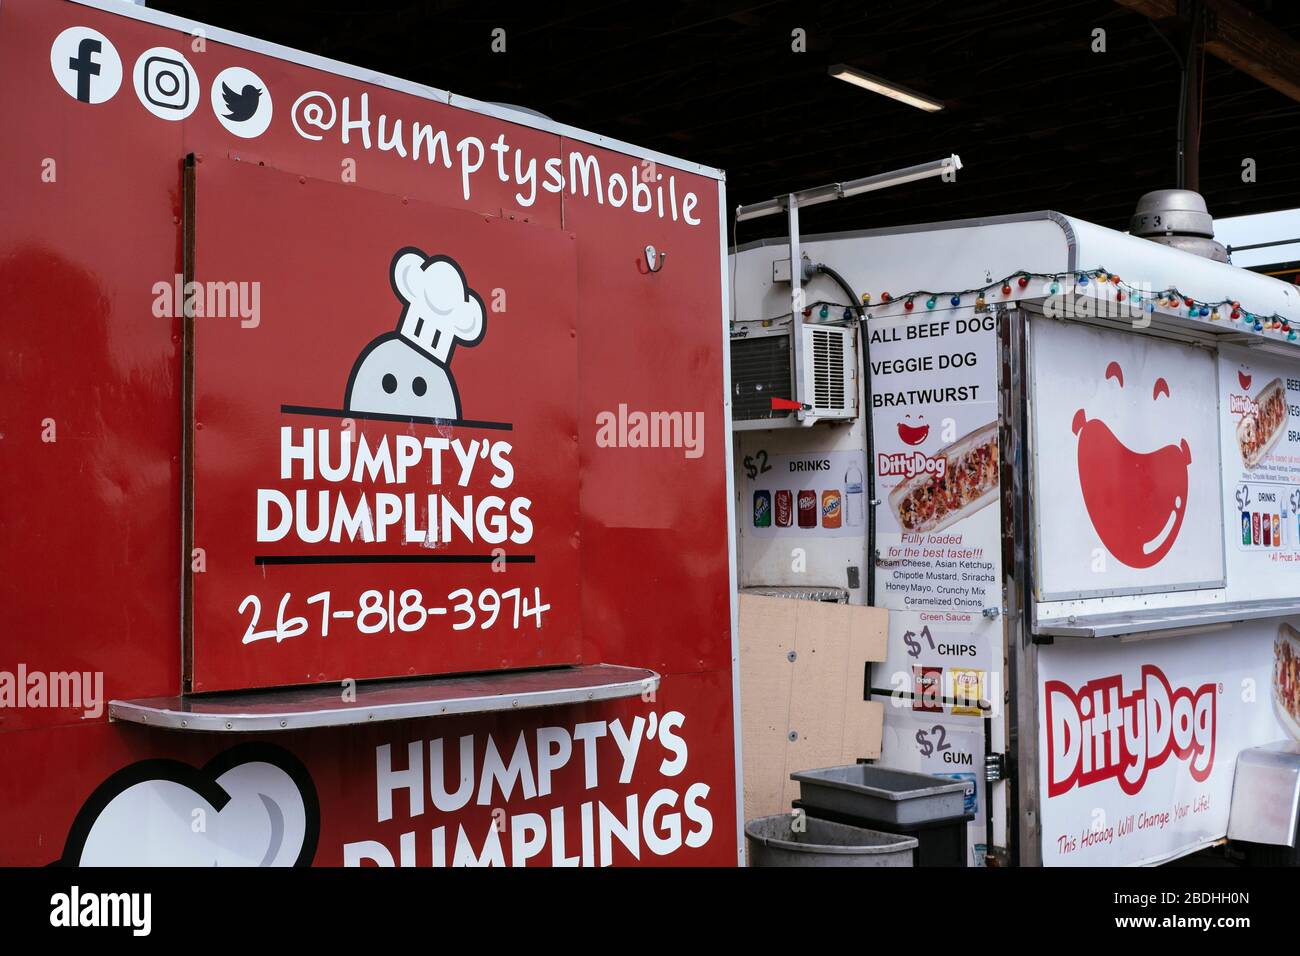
<point x="365" y="490"/>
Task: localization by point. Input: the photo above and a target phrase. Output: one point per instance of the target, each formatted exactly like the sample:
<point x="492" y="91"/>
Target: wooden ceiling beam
<point x="1241" y="39"/>
<point x="1258" y="49"/>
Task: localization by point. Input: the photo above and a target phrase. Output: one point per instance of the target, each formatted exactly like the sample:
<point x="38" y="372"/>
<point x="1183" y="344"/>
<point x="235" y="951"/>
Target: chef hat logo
<point x="440" y="308"/>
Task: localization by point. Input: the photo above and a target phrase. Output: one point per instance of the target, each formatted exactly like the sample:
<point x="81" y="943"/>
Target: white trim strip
<point x="731" y="526"/>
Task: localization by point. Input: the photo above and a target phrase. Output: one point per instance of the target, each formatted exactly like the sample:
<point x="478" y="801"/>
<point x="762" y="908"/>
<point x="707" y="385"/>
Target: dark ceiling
<point x="1038" y="118"/>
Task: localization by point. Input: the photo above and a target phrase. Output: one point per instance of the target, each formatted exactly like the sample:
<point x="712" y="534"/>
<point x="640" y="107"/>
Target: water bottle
<point x="853" y="500"/>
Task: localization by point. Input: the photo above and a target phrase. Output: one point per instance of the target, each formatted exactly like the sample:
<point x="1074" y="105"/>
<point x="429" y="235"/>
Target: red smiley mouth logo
<point x="1136" y="501"/>
<point x="1244" y="380"/>
<point x="913" y="434"/>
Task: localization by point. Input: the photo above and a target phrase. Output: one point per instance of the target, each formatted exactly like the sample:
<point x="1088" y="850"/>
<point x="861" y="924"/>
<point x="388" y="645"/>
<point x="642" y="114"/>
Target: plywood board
<point x="803" y="673"/>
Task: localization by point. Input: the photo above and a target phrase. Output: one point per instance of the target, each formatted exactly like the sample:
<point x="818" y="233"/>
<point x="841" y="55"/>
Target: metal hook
<point x="654" y="259"/>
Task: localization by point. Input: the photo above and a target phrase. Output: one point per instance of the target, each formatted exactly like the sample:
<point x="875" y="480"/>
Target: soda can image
<point x="1245" y="527"/>
<point x="762" y="509"/>
<point x="1254" y="527"/>
<point x="832" y="509"/>
<point x="1267" y="523"/>
<point x="808" y="508"/>
<point x="784" y="505"/>
<point x="1277" y="531"/>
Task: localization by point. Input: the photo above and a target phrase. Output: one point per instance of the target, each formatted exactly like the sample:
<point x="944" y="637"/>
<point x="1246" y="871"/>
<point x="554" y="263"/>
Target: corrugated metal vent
<point x="828" y="368"/>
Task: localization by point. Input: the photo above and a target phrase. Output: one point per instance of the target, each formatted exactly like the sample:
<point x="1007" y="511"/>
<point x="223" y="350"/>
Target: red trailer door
<point x="384" y="435"/>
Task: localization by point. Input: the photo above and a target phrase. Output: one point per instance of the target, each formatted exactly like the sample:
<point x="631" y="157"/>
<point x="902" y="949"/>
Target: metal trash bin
<point x="775" y="841"/>
<point x="930" y="809"/>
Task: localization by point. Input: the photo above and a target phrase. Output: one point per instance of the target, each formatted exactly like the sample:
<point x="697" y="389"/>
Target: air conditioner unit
<point x="830" y="361"/>
<point x="762" y="368"/>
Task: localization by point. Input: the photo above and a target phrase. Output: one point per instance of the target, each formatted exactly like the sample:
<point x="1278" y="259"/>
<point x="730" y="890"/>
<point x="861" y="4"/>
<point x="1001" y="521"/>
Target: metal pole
<point x="948" y="166"/>
<point x="796" y="302"/>
<point x="1191" y="112"/>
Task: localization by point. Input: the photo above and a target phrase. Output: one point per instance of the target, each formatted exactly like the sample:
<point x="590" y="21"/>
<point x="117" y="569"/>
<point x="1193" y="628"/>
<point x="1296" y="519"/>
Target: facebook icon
<point x="86" y="65"/>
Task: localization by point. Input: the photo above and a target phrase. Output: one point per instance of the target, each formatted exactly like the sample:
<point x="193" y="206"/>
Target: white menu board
<point x="934" y="416"/>
<point x="1259" y="426"/>
<point x="934" y="408"/>
<point x="945" y="746"/>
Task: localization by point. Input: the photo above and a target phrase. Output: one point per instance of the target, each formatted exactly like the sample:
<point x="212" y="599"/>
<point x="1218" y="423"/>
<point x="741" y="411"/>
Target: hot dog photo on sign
<point x="1263" y="420"/>
<point x="964" y="480"/>
<point x="1286" y="678"/>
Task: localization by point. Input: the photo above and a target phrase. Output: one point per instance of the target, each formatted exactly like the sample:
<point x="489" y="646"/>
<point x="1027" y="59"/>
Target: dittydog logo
<point x="1098" y="732"/>
<point x="910" y="464"/>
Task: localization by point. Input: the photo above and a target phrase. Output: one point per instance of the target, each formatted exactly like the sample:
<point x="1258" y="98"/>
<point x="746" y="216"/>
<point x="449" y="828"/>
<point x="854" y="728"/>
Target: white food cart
<point x="1081" y="479"/>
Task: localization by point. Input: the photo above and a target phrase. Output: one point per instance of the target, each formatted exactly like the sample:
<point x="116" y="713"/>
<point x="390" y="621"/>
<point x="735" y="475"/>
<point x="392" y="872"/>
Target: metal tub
<point x="881" y="795"/>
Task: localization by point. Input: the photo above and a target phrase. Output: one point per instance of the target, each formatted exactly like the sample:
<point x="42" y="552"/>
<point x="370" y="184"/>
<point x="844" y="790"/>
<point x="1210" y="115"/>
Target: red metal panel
<point x="649" y="343"/>
<point x="89" y="462"/>
<point x="91" y="566"/>
<point x="271" y="413"/>
<point x="657" y="772"/>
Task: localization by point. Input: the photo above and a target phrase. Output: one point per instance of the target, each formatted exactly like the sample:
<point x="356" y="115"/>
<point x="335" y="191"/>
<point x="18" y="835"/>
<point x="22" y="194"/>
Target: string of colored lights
<point x="1170" y="298"/>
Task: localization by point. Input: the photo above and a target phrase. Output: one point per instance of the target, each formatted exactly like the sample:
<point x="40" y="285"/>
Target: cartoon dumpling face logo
<point x="252" y="805"/>
<point x="913" y="432"/>
<point x="408" y="372"/>
<point x="1135" y="500"/>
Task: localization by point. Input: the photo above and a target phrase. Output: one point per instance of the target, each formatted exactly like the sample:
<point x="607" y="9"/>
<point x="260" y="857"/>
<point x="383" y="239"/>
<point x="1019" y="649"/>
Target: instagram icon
<point x="166" y="84"/>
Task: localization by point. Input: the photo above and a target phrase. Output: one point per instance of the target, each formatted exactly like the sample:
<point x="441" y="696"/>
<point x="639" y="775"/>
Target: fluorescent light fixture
<point x="876" y="85"/>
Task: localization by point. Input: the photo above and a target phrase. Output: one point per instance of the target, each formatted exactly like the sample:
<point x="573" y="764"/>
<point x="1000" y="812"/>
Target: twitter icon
<point x="241" y="102"/>
<point x="242" y="105"/>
